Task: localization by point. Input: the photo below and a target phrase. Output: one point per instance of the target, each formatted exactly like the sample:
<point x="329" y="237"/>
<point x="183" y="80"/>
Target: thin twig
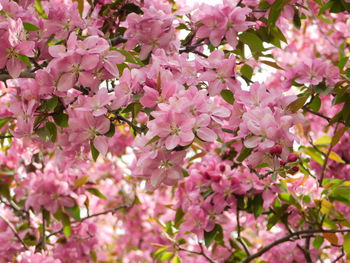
<point x="239" y="238"/>
<point x="340" y="256"/>
<point x="43" y="239"/>
<point x="316" y="113"/>
<point x="205" y="255"/>
<point x="327" y="157"/>
<point x="132" y="125"/>
<point x="3" y="136"/>
<point x="14" y="231"/>
<point x="322" y="32"/>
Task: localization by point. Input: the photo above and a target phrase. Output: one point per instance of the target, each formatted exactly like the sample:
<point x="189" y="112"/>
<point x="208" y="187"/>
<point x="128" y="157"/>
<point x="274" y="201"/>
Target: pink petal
<point x="14" y="67"/>
<point x="206" y="134"/>
<point x="101" y="144"/>
<point x="66" y="82"/>
<point x="252" y="142"/>
<point x="171" y="142"/>
<point x="89" y="62"/>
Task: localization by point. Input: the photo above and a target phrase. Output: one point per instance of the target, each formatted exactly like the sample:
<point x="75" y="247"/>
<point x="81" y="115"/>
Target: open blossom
<point x="96" y="103"/>
<point x="49" y="192"/>
<point x="87" y="127"/>
<point x="154" y="29"/>
<point x="224" y="21"/>
<point x="197" y="161"/>
<point x="165" y="168"/>
<point x="220" y="73"/>
<point x="175" y="128"/>
<point x="13" y="46"/>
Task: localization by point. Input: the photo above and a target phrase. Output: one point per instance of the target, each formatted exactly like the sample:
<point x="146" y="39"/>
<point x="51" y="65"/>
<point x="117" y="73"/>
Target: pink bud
<point x="292" y="157"/>
<point x="222" y="168"/>
<point x="276" y="150"/>
<point x="215" y="177"/>
<point x="294" y="169"/>
<point x="282" y="163"/>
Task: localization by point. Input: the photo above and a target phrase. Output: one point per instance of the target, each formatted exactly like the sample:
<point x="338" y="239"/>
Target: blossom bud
<point x="215" y="177"/>
<point x="282" y="163"/>
<point x="276" y="150"/>
<point x="294" y="169"/>
<point x="292" y="157"/>
<point x="222" y="168"/>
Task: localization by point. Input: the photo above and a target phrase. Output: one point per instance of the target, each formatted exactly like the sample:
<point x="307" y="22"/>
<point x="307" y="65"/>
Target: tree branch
<point x="327" y="157"/>
<point x="239" y="232"/>
<point x="289" y="237"/>
<point x="4" y="77"/>
<point x="14" y="231"/>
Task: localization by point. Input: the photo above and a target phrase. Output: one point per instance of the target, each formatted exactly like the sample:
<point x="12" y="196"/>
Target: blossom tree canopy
<point x="163" y="131"/>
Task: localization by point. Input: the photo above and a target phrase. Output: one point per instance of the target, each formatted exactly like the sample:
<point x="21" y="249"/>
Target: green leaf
<point x="130" y="57"/>
<point x="297" y="104"/>
<point x="74" y="212"/>
<point x="247" y="71"/>
<point x="51" y="104"/>
<point x="346" y="244"/>
<point x="227" y="95"/>
<point x="318" y="241"/>
<point x="67" y="229"/>
<point x="24" y="59"/>
<point x="61" y="119"/>
<point x="275" y="11"/>
<point x="81" y="181"/>
<point x="342" y="62"/>
<point x="245" y="152"/>
<point x="257" y="205"/>
<point x="30" y="27"/>
<point x="5" y="190"/>
<point x="4" y="121"/>
<point x="111" y="131"/>
<point x="44" y="134"/>
<point x="166" y="255"/>
<point x="253" y="41"/>
<point x="80" y="6"/>
<point x="325" y="7"/>
<point x="94" y="152"/>
<point x="154" y="139"/>
<point x="185" y="173"/>
<point x="96" y="192"/>
<point x="271" y="64"/>
<point x="296" y="19"/>
<point x="315" y="104"/>
<point x="323" y="140"/>
<point x="52" y="130"/>
<point x="176" y="259"/>
<point x="339" y="6"/>
<point x="178" y="217"/>
<point x="39" y="8"/>
<point x="337" y="136"/>
<point x="215" y="234"/>
<point x="47" y="217"/>
<point x="159" y="252"/>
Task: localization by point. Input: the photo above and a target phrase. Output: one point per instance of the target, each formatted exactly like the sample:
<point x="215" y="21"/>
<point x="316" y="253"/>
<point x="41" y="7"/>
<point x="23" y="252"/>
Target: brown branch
<point x="316" y="113"/>
<point x="289" y="238"/>
<point x="3" y="136"/>
<point x="14" y="231"/>
<point x="327" y="157"/>
<point x="239" y="238"/>
<point x="321" y="30"/>
<point x="132" y="125"/>
<point x="4" y="77"/>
